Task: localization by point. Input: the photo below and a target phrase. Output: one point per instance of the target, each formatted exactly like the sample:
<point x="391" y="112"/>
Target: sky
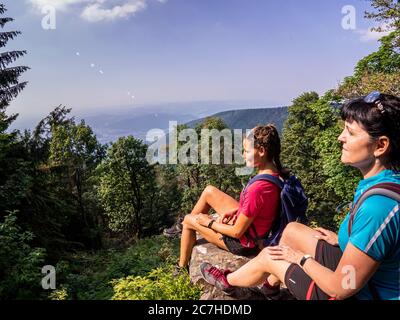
<point x="110" y="53"/>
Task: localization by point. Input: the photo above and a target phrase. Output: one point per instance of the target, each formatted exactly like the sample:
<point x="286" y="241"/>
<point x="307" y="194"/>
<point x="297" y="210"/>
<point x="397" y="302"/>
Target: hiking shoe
<point x="270" y="292"/>
<point x="180" y="270"/>
<point x="216" y="277"/>
<point x="175" y="230"/>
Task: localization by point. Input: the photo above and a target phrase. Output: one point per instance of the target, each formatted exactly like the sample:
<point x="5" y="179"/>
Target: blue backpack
<point x="294" y="205"/>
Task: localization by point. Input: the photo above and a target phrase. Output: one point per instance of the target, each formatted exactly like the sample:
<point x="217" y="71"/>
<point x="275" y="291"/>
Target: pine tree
<point x="9" y="89"/>
<point x="9" y="84"/>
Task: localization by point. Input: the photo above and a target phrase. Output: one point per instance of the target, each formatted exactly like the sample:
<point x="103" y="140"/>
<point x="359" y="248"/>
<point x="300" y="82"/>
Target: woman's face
<point x="254" y="157"/>
<point x="357" y="146"/>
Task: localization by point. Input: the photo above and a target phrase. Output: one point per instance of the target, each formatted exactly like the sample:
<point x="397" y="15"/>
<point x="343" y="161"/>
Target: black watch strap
<point x="210" y="224"/>
<point x="304" y="259"/>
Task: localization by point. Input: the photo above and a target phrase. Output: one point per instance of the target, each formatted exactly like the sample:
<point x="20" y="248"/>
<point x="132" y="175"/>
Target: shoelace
<point x="215" y="271"/>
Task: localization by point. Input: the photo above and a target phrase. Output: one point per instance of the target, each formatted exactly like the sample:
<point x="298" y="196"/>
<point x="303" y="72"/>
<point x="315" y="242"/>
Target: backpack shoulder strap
<point x="266" y="177"/>
<point x="390" y="190"/>
<point x="387" y="189"/>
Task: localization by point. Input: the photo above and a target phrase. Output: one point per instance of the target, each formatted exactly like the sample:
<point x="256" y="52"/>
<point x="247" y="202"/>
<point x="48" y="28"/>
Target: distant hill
<point x="111" y="127"/>
<point x="249" y="118"/>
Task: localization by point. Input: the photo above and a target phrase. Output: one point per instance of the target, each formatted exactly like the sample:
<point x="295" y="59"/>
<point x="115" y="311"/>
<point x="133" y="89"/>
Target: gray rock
<point x="207" y="252"/>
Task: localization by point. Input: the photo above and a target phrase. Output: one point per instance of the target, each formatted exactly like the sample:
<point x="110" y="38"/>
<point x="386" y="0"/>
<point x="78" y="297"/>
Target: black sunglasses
<point x="375" y="97"/>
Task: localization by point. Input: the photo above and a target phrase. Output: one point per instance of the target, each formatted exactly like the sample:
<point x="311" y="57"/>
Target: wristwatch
<point x="210" y="224"/>
<point x="304" y="259"/>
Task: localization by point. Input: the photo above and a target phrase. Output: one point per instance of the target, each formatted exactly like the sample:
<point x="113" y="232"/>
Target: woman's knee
<point x="188" y="221"/>
<point x="291" y="232"/>
<point x="209" y="191"/>
<point x="264" y="255"/>
<point x="263" y="259"/>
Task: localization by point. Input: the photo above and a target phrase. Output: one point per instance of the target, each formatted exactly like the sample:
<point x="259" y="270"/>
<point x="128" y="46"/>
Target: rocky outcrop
<point x="207" y="252"/>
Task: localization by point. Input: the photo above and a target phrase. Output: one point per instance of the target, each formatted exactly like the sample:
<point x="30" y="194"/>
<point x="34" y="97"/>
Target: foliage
<point x="159" y="284"/>
<point x="388" y="14"/>
<point x="383" y="82"/>
<point x="88" y="276"/>
<point x="378" y="71"/>
<point x="73" y="155"/>
<point x="299" y="155"/>
<point x="195" y="176"/>
<point x="340" y="180"/>
<point x="10" y="87"/>
<point x="20" y="263"/>
<point x="385" y="60"/>
<point x="315" y="158"/>
<point x="59" y="294"/>
<point x="128" y="187"/>
<point x="12" y="182"/>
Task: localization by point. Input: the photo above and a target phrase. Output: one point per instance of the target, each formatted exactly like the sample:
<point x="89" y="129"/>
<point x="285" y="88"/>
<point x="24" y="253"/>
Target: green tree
<point x="128" y="187"/>
<point x="385" y="60"/>
<point x="195" y="176"/>
<point x="340" y="180"/>
<point x="387" y="12"/>
<point x="308" y="117"/>
<point x="169" y="195"/>
<point x="379" y="70"/>
<point x="61" y="210"/>
<point x="9" y="89"/>
<point x="20" y="263"/>
<point x="75" y="152"/>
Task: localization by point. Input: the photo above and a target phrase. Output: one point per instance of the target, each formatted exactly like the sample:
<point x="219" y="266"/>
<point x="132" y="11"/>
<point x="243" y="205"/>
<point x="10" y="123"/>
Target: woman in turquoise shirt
<point x="318" y="264"/>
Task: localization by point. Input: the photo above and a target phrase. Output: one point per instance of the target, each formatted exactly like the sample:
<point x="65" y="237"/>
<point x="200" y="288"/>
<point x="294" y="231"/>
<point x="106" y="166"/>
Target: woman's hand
<point x="203" y="219"/>
<point x="226" y="217"/>
<point x="328" y="236"/>
<point x="285" y="253"/>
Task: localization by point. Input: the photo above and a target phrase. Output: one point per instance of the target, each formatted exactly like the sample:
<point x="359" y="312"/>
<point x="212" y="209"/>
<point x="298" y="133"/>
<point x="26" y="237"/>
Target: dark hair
<point x="268" y="137"/>
<point x="379" y="118"/>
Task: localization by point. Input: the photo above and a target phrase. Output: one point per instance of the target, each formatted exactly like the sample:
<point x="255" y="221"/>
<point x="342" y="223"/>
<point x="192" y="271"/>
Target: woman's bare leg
<point x="211" y="197"/>
<point x="214" y="198"/>
<point x="299" y="237"/>
<point x="188" y="238"/>
<point x="257" y="270"/>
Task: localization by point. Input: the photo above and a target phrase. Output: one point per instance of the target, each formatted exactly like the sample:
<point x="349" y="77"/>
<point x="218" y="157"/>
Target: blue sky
<point x="137" y="52"/>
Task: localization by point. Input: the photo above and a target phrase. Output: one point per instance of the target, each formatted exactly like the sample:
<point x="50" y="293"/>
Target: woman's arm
<point x="235" y="231"/>
<point x="352" y="274"/>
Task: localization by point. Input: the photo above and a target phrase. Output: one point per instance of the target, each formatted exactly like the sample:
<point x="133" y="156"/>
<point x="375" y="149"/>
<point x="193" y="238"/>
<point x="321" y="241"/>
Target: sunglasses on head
<point x="375" y="97"/>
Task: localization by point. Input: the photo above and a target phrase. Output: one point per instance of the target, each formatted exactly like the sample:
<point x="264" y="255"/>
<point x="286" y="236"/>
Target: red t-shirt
<point x="260" y="200"/>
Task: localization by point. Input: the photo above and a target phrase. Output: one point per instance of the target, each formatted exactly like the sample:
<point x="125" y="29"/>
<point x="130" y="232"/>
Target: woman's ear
<point x="382" y="146"/>
<point x="261" y="151"/>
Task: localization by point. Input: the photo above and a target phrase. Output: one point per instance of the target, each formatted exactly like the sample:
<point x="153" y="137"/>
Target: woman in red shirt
<point x="258" y="205"/>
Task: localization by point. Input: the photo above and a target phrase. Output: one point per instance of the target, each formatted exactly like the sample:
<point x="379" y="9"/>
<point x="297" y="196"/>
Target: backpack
<point x="293" y="207"/>
<point x="387" y="189"/>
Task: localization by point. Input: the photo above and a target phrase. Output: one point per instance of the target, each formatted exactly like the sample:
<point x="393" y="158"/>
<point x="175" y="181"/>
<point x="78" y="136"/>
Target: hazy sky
<point x="106" y="53"/>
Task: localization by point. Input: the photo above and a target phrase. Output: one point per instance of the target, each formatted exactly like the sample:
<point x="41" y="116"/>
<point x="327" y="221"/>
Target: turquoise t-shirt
<point x="376" y="231"/>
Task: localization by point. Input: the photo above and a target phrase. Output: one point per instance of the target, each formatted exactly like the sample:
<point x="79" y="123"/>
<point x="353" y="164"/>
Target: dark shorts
<point x="234" y="246"/>
<point x="301" y="285"/>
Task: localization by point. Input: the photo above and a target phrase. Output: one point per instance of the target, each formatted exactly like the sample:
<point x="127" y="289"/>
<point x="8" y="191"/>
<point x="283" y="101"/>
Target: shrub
<point x="20" y="264"/>
<point x="159" y="284"/>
